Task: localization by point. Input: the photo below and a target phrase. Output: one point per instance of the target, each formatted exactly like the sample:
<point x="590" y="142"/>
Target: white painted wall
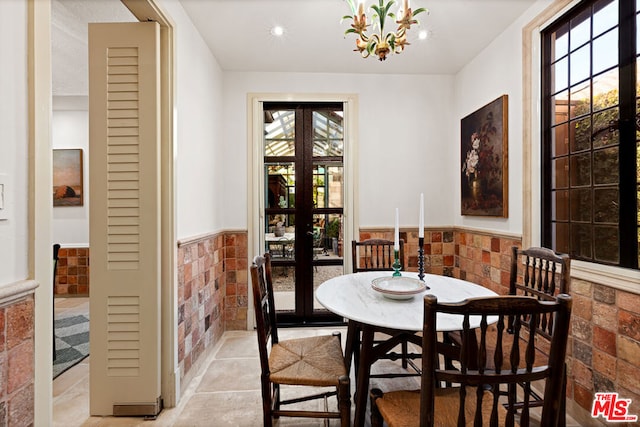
<point x="70" y="129"/>
<point x="405" y="136"/>
<point x="14" y="144"/>
<point x="497" y="70"/>
<point x="200" y="154"/>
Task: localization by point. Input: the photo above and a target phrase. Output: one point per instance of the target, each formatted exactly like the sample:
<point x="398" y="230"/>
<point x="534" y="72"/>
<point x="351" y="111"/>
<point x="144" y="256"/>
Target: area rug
<point x="72" y="341"/>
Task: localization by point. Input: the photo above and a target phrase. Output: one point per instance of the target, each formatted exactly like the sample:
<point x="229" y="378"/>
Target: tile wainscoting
<point x="17" y="349"/>
<point x="72" y="275"/>
<point x="212" y="292"/>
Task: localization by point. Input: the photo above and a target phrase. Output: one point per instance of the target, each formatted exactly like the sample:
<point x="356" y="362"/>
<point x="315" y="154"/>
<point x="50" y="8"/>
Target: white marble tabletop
<point x="351" y="296"/>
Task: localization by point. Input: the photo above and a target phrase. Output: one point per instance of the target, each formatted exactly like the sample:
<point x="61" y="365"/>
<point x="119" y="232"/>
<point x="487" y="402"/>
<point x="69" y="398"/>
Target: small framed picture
<point x="68" y="189"/>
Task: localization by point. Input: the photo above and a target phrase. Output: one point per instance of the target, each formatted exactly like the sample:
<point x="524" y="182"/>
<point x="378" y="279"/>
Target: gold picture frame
<point x="484" y="159"/>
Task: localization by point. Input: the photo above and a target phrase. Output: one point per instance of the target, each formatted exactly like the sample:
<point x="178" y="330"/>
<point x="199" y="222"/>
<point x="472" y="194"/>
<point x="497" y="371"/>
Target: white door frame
<point x="40" y="208"/>
<point x="255" y="168"/>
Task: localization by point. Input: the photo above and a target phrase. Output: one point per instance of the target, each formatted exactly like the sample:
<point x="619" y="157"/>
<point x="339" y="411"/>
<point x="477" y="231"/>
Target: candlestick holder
<point x="396" y="264"/>
<point x="421" y="259"/>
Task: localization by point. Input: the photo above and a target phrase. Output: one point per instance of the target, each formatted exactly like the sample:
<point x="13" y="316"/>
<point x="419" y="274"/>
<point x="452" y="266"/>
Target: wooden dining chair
<point x="486" y="385"/>
<point x="315" y="361"/>
<point x="541" y="273"/>
<point x="379" y="255"/>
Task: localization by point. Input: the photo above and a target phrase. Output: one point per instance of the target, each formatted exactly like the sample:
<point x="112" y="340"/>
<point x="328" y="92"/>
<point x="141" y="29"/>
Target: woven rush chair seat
<point x="402" y="408"/>
<point x="313" y="361"/>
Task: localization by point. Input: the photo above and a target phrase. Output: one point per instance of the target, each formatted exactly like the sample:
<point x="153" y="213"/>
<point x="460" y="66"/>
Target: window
<point x="591" y="170"/>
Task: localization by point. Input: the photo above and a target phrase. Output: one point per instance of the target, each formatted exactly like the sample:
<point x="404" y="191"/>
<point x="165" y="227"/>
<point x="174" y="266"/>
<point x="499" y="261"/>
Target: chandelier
<point x="381" y="43"/>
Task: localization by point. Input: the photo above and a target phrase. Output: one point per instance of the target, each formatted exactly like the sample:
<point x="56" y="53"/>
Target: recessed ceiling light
<point x="423" y="34"/>
<point x="277" y="31"/>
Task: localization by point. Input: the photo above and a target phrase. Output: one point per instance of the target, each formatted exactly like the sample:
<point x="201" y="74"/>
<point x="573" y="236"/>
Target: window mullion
<point x="628" y="181"/>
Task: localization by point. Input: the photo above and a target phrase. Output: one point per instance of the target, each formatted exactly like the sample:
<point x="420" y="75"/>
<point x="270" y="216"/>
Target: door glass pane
<point x="328" y="185"/>
<point x="281" y="190"/>
<point x="328" y="249"/>
<point x="327" y="236"/>
<point x="279" y="132"/>
<point x="328" y="133"/>
<point x="321" y="274"/>
<point x="284" y="279"/>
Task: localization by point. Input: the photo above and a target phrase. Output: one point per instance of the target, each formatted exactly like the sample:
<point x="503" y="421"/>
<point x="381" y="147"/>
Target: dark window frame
<point x="627" y="225"/>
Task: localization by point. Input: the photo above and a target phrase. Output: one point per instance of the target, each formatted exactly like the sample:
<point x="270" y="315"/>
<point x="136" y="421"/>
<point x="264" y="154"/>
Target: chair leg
<point x="376" y="416"/>
<point x="562" y="416"/>
<point x="405" y="351"/>
<point x="344" y="401"/>
<point x="267" y="404"/>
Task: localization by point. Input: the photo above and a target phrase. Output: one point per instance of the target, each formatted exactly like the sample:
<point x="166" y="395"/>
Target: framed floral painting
<point x="484" y="166"/>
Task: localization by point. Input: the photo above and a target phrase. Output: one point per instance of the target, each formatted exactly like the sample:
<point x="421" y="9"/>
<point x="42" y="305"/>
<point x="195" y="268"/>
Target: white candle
<point x="421" y="220"/>
<point x="396" y="235"/>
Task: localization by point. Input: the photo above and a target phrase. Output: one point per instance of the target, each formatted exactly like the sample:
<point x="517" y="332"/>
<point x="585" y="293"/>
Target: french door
<point x="304" y="204"/>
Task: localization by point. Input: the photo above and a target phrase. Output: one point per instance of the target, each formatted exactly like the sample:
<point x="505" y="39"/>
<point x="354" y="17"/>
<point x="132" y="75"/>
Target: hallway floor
<point x="226" y="393"/>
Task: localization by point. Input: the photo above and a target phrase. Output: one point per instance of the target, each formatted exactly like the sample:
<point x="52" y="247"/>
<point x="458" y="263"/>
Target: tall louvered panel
<point x="124" y="147"/>
<point x="123" y="159"/>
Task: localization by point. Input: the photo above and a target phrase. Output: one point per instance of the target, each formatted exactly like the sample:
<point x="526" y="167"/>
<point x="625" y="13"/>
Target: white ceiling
<point x="238" y="34"/>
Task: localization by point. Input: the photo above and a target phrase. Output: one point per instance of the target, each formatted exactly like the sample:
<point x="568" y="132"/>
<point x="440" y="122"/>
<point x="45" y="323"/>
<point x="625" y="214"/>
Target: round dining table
<point x="368" y="311"/>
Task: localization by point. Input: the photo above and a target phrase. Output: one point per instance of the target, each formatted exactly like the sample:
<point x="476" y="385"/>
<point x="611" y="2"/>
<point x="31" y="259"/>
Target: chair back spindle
<point x="375" y="255"/>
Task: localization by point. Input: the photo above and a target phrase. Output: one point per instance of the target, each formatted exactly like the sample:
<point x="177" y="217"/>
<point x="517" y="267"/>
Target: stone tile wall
<point x="212" y="292"/>
<point x="605" y="346"/>
<point x="17" y="363"/>
<point x="72" y="275"/>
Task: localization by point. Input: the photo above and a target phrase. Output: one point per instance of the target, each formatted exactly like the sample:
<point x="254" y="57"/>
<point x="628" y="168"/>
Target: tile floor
<point x="227" y="393"/>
